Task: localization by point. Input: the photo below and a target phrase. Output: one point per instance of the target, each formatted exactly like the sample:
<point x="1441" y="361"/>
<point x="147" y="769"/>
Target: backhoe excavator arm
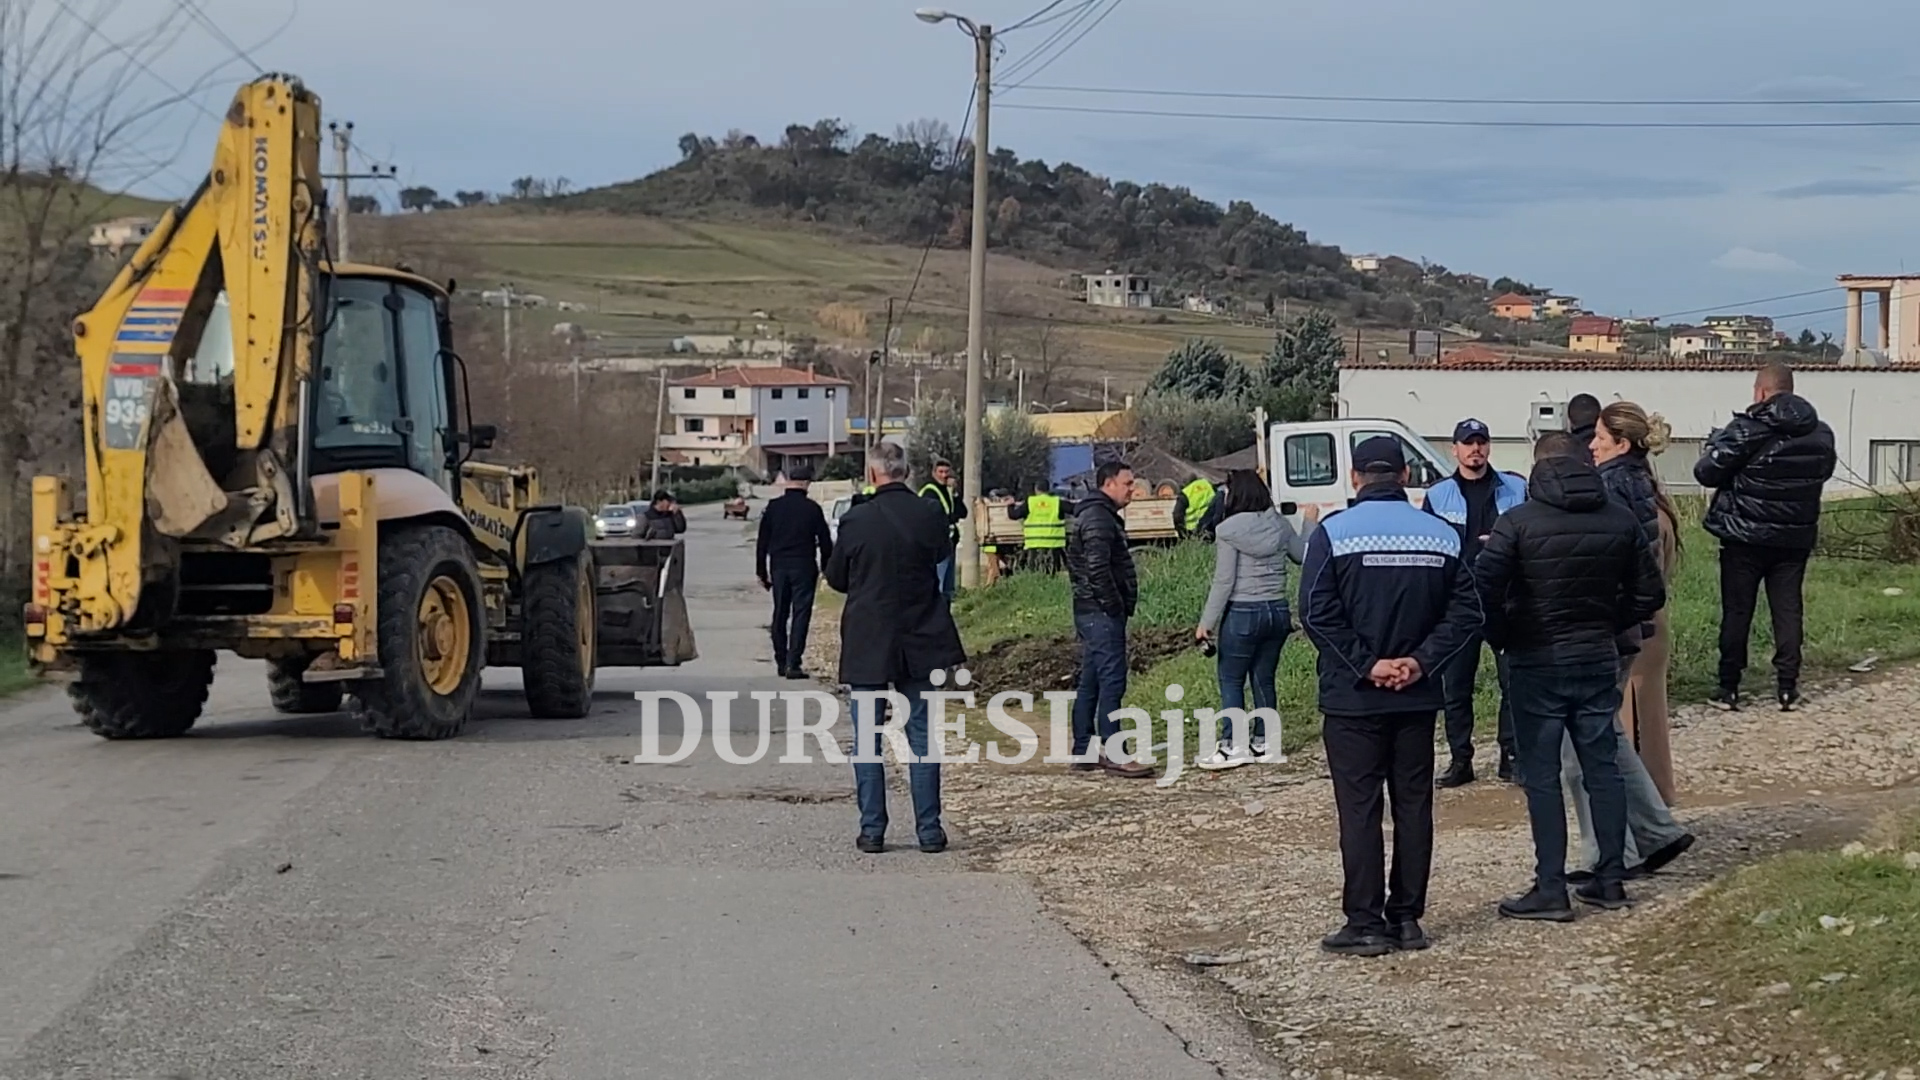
<point x="254" y="230"/>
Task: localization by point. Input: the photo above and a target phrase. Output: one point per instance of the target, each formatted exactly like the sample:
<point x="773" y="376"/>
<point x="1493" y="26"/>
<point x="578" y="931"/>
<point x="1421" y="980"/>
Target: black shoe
<point x="1662" y="858"/>
<point x="1348" y="941"/>
<point x="1458" y="774"/>
<point x="934" y="845"/>
<point x="1789" y="699"/>
<point x="1579" y="877"/>
<point x="1505" y="772"/>
<point x="872" y="845"/>
<point x="1607" y="897"/>
<point x="794" y="673"/>
<point x="1407" y="936"/>
<point x="1537" y="906"/>
<point x="1726" y="699"/>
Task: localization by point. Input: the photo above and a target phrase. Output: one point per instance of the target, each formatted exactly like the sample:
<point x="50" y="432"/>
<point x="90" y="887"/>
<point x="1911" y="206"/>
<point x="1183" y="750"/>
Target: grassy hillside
<point x="646" y="280"/>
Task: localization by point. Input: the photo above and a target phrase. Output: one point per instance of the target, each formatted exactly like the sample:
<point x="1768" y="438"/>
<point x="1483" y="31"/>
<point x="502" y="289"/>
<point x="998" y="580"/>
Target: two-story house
<point x="1594" y="334"/>
<point x="759" y="417"/>
<point x="1516" y="307"/>
<point x="1695" y="343"/>
<point x="1745" y="334"/>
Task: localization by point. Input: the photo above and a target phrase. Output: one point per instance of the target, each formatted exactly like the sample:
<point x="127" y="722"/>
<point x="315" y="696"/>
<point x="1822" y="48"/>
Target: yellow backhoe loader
<point x="279" y="463"/>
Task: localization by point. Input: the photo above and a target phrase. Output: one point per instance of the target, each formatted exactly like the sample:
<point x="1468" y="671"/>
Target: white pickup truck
<point x="1311" y="463"/>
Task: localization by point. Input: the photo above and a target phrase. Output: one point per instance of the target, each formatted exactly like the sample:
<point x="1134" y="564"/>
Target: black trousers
<point x="793" y="589"/>
<point x="1743" y="569"/>
<point x="1456" y="682"/>
<point x="1372" y="757"/>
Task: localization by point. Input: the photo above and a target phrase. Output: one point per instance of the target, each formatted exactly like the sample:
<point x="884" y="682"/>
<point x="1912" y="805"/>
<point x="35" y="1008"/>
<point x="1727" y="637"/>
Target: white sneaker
<point x="1223" y="758"/>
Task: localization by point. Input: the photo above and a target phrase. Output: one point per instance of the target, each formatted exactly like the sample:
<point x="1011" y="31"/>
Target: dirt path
<point x="1232" y="879"/>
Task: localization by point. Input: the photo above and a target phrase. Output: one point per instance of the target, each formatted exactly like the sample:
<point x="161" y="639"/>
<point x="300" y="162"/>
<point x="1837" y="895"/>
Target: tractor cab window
<point x="380" y="400"/>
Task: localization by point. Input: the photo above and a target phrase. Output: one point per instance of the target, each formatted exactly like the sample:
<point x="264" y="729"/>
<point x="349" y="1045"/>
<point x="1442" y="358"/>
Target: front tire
<point x="558" y="636"/>
<point x="293" y="695"/>
<point x="432" y="637"/>
<point x="142" y="695"/>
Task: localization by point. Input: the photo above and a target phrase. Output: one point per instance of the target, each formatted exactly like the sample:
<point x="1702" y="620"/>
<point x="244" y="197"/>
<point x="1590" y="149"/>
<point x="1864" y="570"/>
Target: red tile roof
<point x="760" y="376"/>
<point x="1512" y="299"/>
<point x="1594" y="326"/>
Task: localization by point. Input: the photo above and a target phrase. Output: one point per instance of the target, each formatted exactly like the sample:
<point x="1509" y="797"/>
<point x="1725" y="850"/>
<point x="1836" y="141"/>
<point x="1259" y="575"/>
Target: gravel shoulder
<point x="1224" y="883"/>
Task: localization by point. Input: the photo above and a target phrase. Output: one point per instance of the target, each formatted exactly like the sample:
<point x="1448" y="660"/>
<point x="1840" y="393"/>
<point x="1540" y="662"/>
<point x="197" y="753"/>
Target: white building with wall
<point x="1872" y="410"/>
<point x="755" y="416"/>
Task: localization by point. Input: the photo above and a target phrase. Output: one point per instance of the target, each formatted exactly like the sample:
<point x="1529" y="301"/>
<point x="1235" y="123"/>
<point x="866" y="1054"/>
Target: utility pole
<point x="506" y="323"/>
<point x="969" y="554"/>
<point x="659" y="421"/>
<point x="1106" y="384"/>
<point x="342" y="143"/>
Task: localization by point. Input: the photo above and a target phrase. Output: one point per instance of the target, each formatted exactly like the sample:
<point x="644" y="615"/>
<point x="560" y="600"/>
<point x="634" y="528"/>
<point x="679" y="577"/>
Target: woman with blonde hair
<point x="1623" y="439"/>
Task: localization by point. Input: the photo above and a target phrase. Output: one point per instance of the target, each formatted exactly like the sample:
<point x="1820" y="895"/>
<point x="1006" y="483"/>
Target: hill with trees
<point x="914" y="187"/>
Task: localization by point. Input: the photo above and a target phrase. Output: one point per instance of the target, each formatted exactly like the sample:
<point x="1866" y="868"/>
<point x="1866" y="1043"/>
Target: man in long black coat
<point x="895" y="631"/>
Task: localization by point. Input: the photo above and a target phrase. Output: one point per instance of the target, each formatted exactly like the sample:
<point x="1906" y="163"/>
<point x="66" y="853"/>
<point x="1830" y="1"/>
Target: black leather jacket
<point x="1099" y="566"/>
<point x="1768" y="467"/>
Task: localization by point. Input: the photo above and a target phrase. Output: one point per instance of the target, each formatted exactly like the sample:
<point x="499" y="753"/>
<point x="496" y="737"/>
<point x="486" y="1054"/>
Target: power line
<point x="193" y="10"/>
<point x="1080" y="15"/>
<point x="1745" y="303"/>
<point x="1041" y="18"/>
<point x="1112" y="6"/>
<point x="953" y="174"/>
<point x="1360" y="99"/>
<point x="1411" y="121"/>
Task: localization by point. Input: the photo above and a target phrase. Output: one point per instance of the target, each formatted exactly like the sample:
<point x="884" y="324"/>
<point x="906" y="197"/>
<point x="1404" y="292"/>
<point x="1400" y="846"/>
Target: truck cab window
<point x="1422" y="473"/>
<point x="358" y="394"/>
<point x="1310" y="460"/>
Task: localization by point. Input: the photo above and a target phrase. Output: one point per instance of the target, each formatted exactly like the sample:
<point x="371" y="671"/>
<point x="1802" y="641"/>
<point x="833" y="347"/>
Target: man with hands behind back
<point x="1388" y="602"/>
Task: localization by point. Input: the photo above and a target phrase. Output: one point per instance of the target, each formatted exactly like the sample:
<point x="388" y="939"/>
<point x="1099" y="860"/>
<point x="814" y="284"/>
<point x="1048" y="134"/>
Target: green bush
<point x="695" y="492"/>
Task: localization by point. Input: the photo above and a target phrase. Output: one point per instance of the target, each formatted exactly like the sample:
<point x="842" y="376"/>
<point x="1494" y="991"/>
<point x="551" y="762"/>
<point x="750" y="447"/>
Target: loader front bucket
<point x="643" y="608"/>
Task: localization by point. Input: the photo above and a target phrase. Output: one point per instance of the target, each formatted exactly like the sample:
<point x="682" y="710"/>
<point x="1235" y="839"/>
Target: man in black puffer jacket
<point x="1105" y="591"/>
<point x="1767" y="468"/>
<point x="1561" y="578"/>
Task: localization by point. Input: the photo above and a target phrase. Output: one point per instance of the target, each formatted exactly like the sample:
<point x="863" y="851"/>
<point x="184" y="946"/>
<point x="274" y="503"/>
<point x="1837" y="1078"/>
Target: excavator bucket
<point x="643" y="606"/>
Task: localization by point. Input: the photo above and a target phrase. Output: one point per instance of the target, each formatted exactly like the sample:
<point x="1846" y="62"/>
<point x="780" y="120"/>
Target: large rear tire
<point x="291" y="695"/>
<point x="558" y="636"/>
<point x="432" y="637"/>
<point x="142" y="695"/>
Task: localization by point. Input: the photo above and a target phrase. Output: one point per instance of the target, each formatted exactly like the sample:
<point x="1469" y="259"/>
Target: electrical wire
<point x="1412" y="121"/>
<point x="1041" y="18"/>
<point x="1080" y="15"/>
<point x="953" y="169"/>
<point x="193" y="10"/>
<point x="1744" y="303"/>
<point x="1112" y="6"/>
<point x="1359" y="99"/>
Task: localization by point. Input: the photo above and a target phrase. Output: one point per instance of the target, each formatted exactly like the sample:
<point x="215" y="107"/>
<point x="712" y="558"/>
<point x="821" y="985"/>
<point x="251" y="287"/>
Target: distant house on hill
<point x="1202" y="305"/>
<point x="1119" y="290"/>
<point x="1366" y="264"/>
<point x="1554" y="306"/>
<point x="1516" y="307"/>
<point x="1594" y="334"/>
<point x="1695" y="343"/>
<point x="113" y="237"/>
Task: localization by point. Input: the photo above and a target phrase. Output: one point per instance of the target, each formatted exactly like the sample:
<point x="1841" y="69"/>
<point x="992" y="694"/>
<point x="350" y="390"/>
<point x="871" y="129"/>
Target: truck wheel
<point x="291" y="695"/>
<point x="557" y="641"/>
<point x="142" y="695"/>
<point x="432" y="637"/>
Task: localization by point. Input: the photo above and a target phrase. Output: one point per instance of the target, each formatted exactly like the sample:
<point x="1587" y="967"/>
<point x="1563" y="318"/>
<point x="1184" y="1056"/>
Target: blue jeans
<point x="1251" y="634"/>
<point x="1650" y="824"/>
<point x="1579" y="702"/>
<point x="946" y="573"/>
<point x="1103" y="676"/>
<point x="923" y="777"/>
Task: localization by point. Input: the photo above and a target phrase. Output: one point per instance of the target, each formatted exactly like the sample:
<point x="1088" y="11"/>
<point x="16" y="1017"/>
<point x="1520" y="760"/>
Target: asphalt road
<point x="287" y="897"/>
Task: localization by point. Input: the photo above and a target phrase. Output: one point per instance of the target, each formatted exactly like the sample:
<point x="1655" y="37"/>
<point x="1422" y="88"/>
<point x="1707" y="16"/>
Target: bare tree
<point x="72" y="102"/>
<point x="1050" y="354"/>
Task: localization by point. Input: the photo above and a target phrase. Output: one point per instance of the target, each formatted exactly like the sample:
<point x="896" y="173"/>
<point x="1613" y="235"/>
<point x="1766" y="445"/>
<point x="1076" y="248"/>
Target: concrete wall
<point x="826" y="416"/>
<point x="1863" y="405"/>
<point x="709" y="400"/>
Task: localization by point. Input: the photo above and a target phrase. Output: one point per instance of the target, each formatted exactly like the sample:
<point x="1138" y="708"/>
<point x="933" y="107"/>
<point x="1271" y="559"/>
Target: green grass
<point x="14" y="676"/>
<point x="1761" y="928"/>
<point x="1847" y="617"/>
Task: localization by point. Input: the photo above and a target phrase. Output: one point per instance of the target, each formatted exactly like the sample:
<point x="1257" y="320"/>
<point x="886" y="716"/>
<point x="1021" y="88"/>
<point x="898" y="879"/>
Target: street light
<point x="982" y="35"/>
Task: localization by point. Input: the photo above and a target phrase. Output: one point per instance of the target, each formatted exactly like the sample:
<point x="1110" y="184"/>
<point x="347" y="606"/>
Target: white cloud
<point x="1766" y="262"/>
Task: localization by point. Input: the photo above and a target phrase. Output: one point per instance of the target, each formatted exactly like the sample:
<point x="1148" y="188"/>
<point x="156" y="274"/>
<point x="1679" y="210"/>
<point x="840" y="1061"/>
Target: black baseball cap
<point x="1380" y="454"/>
<point x="1470" y="429"/>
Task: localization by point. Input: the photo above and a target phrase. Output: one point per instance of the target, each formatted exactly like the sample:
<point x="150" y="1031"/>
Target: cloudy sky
<point x="470" y="93"/>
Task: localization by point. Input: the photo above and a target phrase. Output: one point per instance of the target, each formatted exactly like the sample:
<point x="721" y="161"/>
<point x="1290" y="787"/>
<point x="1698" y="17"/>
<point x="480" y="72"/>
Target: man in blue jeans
<point x="1561" y="578"/>
<point x="896" y="632"/>
<point x="1105" y="590"/>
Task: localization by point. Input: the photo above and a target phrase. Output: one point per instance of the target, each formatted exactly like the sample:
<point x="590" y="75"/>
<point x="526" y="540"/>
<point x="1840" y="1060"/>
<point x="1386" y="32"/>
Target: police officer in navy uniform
<point x="1388" y="602"/>
<point x="1470" y="500"/>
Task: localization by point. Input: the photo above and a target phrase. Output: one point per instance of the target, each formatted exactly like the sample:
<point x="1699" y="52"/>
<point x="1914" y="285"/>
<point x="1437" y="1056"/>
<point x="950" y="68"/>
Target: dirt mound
<point x="1039" y="664"/>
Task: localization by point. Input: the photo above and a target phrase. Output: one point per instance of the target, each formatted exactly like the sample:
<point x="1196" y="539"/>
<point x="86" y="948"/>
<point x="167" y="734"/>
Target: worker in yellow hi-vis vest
<point x="940" y="491"/>
<point x="1043" y="530"/>
<point x="1190" y="508"/>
